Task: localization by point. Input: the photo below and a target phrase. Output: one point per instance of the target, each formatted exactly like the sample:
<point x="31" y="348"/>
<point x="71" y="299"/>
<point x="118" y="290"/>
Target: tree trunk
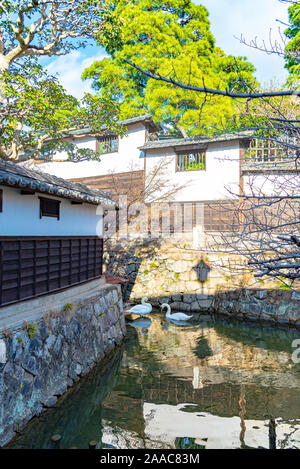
<point x="182" y="130"/>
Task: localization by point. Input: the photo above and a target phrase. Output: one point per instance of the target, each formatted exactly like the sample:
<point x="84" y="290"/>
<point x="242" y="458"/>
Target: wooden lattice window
<point x="49" y="208"/>
<point x="191" y="161"/>
<point x="107" y="144"/>
<point x="267" y="150"/>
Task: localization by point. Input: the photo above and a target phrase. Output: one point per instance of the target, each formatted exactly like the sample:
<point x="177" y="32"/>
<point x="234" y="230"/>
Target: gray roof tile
<point x="176" y="142"/>
<point x="132" y="120"/>
<point x="19" y="176"/>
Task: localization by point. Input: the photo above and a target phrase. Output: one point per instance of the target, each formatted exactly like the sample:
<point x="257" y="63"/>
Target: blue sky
<point x="229" y="18"/>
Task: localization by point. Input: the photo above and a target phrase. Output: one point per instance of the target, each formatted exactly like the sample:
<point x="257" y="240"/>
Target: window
<point x="49" y="208"/>
<point x="194" y="161"/>
<point x="267" y="150"/>
<point x="107" y="144"/>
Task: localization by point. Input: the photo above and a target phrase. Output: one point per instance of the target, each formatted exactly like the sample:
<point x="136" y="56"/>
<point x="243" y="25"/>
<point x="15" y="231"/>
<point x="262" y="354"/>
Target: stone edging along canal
<point x="41" y="360"/>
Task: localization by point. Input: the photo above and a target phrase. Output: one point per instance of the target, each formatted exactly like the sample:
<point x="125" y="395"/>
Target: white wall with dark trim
<point x="128" y="157"/>
<point x="20" y="216"/>
<point x="217" y="181"/>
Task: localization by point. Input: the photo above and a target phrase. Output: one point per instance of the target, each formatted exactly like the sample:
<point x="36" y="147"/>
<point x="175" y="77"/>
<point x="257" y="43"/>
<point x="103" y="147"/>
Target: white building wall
<point x="128" y="158"/>
<point x="220" y="178"/>
<point x="272" y="184"/>
<point x="21" y="217"/>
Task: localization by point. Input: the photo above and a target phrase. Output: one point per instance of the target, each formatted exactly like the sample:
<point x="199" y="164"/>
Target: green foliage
<point x="31" y="330"/>
<point x="171" y="38"/>
<point x="293" y="47"/>
<point x="36" y="112"/>
<point x="153" y="265"/>
<point x="283" y="285"/>
<point x="68" y="307"/>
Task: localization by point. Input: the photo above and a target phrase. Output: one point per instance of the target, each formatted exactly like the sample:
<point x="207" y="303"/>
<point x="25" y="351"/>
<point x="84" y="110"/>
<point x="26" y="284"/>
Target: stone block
<point x="261" y="294"/>
<point x="180" y="306"/>
<point x="50" y="401"/>
<point x="296" y="295"/>
<point x="255" y="309"/>
<point x="268" y="309"/>
<point x="187" y="298"/>
<point x="195" y="306"/>
<point x="180" y="266"/>
<point x="205" y="304"/>
<point x="293" y="313"/>
<point x="58" y="345"/>
<point x="31" y="364"/>
<point x="176" y="298"/>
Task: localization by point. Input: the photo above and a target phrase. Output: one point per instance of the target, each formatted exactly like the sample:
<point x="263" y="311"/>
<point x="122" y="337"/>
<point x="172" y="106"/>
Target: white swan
<point x="174" y="316"/>
<point x="144" y="308"/>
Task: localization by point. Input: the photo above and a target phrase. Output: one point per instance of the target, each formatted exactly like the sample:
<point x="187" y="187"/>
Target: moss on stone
<point x="31" y="330"/>
<point x="68" y="307"/>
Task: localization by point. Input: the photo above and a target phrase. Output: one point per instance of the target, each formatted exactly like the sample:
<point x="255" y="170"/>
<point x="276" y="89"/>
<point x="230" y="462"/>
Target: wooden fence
<point x="32" y="266"/>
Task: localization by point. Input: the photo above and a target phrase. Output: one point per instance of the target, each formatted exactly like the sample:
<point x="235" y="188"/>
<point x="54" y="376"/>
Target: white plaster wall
<point x="220" y="177"/>
<point x="272" y="184"/>
<point x="21" y="217"/>
<point x="128" y="158"/>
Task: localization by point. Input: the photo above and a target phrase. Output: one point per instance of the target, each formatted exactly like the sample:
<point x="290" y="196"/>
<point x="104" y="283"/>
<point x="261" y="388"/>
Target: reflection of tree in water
<point x="188" y="443"/>
<point x="148" y="377"/>
<point x="202" y="349"/>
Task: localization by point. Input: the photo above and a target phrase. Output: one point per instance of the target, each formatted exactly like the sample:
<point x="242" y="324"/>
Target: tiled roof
<point x="132" y="120"/>
<point x="19" y="176"/>
<point x="176" y="142"/>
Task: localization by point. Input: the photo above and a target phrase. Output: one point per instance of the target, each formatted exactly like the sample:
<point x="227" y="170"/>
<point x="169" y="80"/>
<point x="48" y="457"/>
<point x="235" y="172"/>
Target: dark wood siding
<point x="32" y="266"/>
<point x="129" y="183"/>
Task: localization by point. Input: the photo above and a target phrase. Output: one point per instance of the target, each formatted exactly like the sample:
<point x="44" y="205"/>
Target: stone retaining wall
<point x="274" y="306"/>
<point x="42" y="360"/>
<point x="166" y="273"/>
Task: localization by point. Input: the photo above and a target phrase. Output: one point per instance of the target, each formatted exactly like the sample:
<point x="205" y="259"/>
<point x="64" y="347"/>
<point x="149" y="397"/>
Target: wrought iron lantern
<point x="202" y="271"/>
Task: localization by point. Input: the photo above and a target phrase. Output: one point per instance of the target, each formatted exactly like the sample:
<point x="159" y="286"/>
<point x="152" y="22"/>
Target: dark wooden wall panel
<point x="34" y="266"/>
<point x="130" y="183"/>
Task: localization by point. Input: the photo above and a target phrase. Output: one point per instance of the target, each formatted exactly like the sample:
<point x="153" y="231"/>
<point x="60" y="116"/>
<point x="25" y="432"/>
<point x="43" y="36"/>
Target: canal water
<point x="209" y="383"/>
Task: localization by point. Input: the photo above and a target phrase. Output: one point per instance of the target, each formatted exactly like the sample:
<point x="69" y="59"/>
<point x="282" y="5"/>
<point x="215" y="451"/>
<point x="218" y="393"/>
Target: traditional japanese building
<point x="51" y="233"/>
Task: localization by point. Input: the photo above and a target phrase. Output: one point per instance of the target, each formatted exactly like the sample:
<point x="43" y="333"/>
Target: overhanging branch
<point x="262" y="94"/>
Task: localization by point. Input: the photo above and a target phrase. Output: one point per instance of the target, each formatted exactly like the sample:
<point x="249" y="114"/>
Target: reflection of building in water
<point x="213" y="357"/>
<point x="233" y="387"/>
<point x="166" y="425"/>
<point x="212" y="385"/>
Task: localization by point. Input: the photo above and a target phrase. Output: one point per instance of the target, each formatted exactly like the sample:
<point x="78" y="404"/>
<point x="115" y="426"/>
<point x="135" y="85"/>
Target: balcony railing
<point x="261" y="150"/>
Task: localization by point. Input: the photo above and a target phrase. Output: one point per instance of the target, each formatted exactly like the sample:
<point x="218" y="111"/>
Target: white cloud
<point x="69" y="68"/>
<point x="252" y="18"/>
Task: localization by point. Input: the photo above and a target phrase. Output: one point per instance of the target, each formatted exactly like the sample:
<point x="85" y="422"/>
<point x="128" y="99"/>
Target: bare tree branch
<point x="251" y="95"/>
